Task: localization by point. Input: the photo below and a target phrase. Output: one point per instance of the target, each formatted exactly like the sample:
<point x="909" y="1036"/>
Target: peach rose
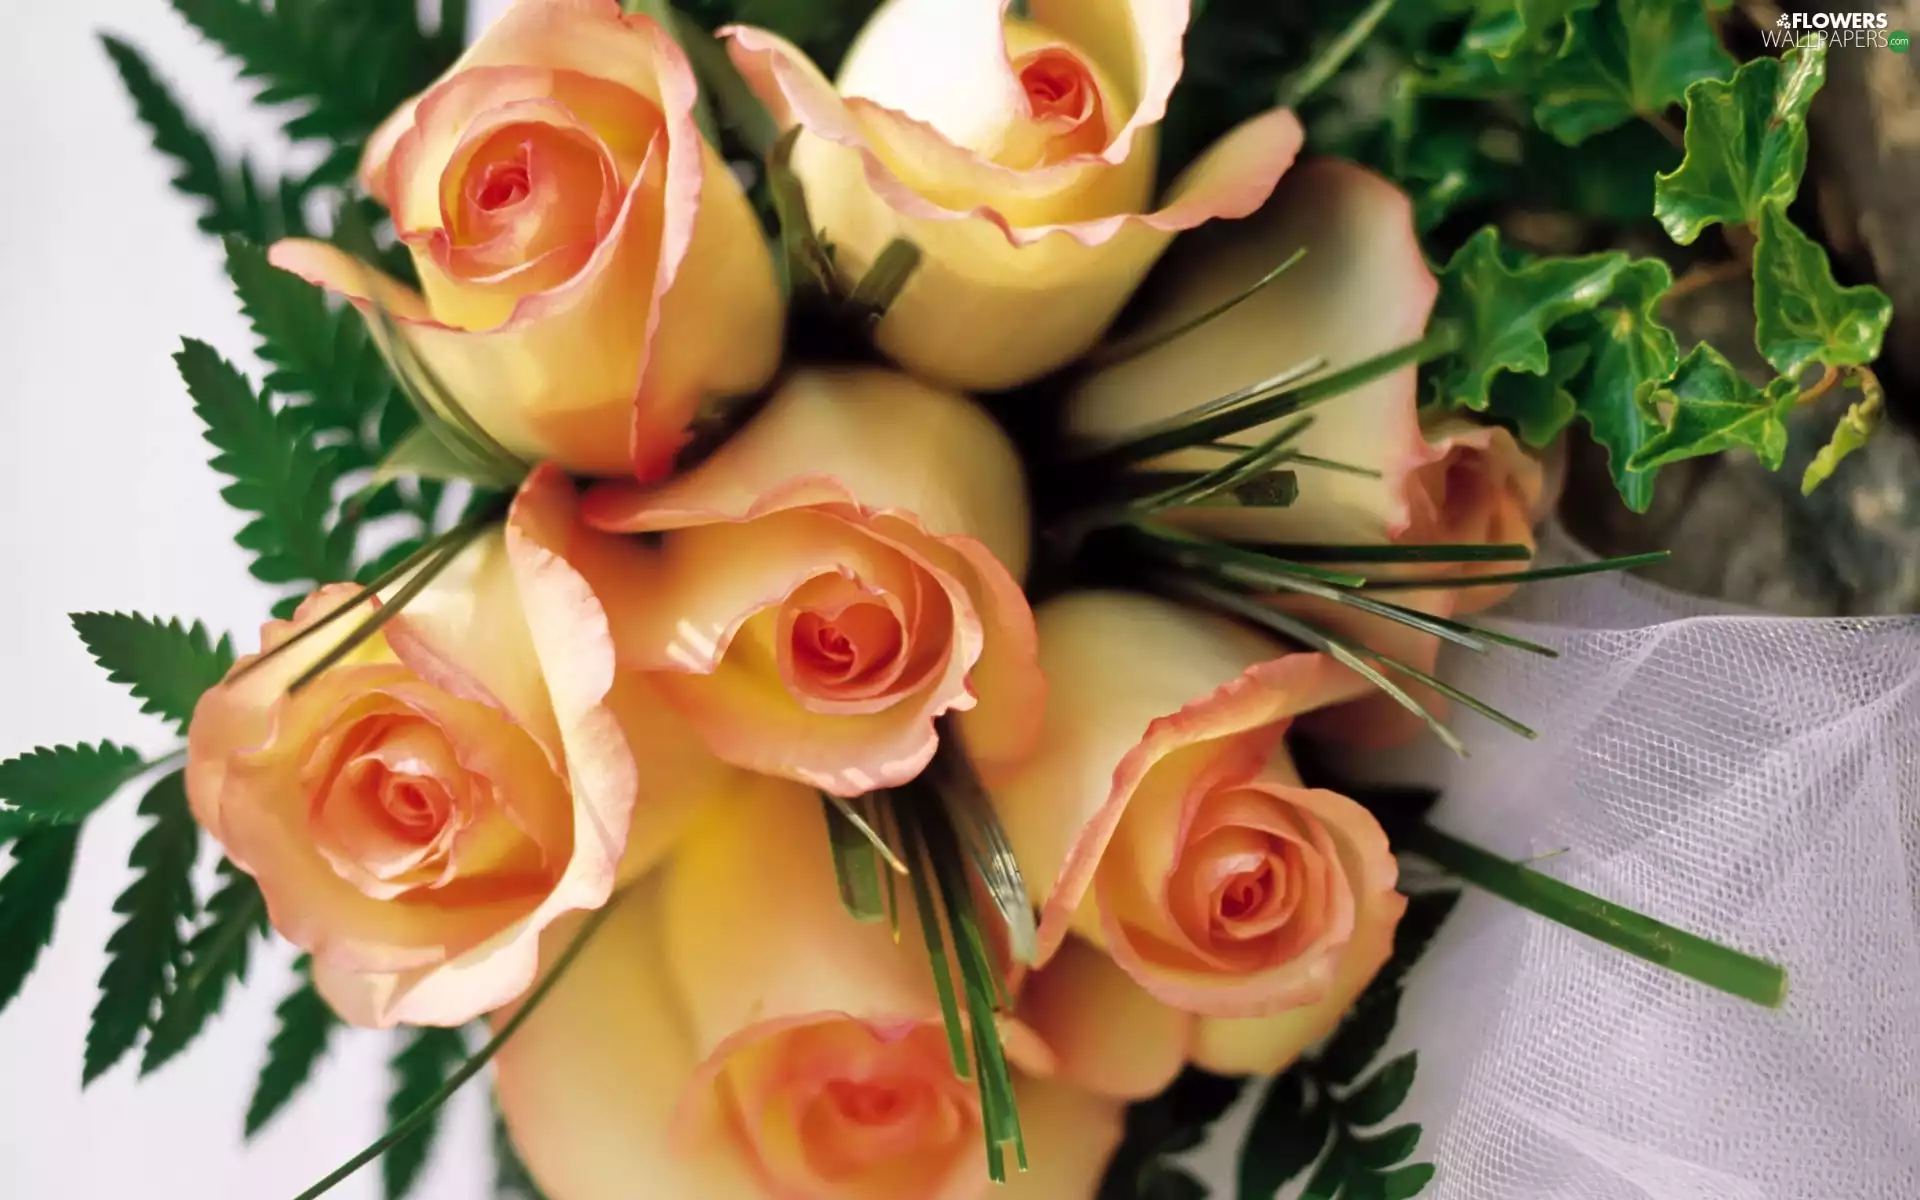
<point x="1018" y="155"/>
<point x="1163" y="820"/>
<point x="591" y="269"/>
<point x="418" y="813"/>
<point x="838" y="575"/>
<point x="732" y="1035"/>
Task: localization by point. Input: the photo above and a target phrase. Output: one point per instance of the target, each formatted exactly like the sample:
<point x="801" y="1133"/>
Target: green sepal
<point x="1802" y="316"/>
<point x="1746" y="143"/>
<point x="165" y="664"/>
<point x="1714" y="408"/>
<point x="145" y="952"/>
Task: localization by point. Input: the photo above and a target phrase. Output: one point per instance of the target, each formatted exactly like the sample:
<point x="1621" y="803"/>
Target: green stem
<point x="409" y="1124"/>
<point x="1684" y="953"/>
<point x="1328" y="61"/>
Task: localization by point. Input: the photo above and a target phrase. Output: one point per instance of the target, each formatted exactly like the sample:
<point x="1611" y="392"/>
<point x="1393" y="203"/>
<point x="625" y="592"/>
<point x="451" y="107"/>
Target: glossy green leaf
<point x="1746" y="144"/>
<point x="1633" y="354"/>
<point x="1714" y="408"/>
<point x="165" y="664"/>
<point x="1506" y="27"/>
<point x="1625" y="60"/>
<point x="1505" y="312"/>
<point x="1540" y="406"/>
<point x="1802" y="315"/>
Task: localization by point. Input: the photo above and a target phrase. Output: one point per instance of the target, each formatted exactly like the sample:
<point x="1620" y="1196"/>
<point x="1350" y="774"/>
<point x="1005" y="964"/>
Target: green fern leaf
<point x="145" y="952"/>
<point x="278" y="474"/>
<point x="233" y="200"/>
<point x="165" y="664"/>
<point x="306" y="1026"/>
<point x="216" y="957"/>
<point x="427" y="1056"/>
<point x="30" y="895"/>
<point x="61" y="785"/>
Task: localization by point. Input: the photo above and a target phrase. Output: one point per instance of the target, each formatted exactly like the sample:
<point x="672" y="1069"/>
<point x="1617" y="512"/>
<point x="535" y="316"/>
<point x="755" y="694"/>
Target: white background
<point x="106" y="503"/>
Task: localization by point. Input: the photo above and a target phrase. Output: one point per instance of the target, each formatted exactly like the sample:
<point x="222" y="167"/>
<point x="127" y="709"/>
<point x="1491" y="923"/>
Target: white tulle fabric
<point x="1750" y="778"/>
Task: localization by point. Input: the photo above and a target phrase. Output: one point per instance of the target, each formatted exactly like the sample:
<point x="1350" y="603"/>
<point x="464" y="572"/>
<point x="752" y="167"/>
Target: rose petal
<point x="589" y="1084"/>
<point x="1480" y="489"/>
<point x="1362" y="289"/>
<point x="1133" y="680"/>
<point x="1110" y="1037"/>
<point x="1020" y="271"/>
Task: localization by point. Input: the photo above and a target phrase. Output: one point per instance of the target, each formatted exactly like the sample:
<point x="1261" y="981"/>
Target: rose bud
<point x="418" y="812"/>
<point x="1163" y="820"/>
<point x="840" y="573"/>
<point x="1019" y="155"/>
<point x="1362" y="289"/>
<point x="732" y="1034"/>
<point x="591" y="270"/>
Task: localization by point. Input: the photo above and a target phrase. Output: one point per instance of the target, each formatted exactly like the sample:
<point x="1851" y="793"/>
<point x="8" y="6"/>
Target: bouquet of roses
<point x="844" y="619"/>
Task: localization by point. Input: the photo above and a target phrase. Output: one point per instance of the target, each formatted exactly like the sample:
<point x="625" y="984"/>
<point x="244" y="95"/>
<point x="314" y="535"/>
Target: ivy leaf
<point x="166" y="665"/>
<point x="278" y="474"/>
<point x="426" y="1057"/>
<point x="1506" y="311"/>
<point x="1505" y="28"/>
<point x="306" y="1026"/>
<point x="62" y="785"/>
<point x="1383" y="1092"/>
<point x="216" y="957"/>
<point x="1632" y="355"/>
<point x="144" y="953"/>
<point x="320" y="353"/>
<point x="232" y="198"/>
<point x="1746" y="144"/>
<point x="30" y="895"/>
<point x="1715" y="409"/>
<point x="1625" y="60"/>
<point x="1540" y="406"/>
<point x="1802" y="315"/>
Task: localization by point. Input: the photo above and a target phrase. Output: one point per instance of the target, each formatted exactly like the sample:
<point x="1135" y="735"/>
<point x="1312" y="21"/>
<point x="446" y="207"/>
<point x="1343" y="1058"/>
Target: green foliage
<point x="1630" y="355"/>
<point x="343" y="64"/>
<point x="1320" y="1110"/>
<point x="1157" y="1130"/>
<point x="511" y="1179"/>
<point x="1622" y="60"/>
<point x="165" y="664"/>
<point x="61" y="785"/>
<point x="319" y="353"/>
<point x="30" y="895"/>
<point x="306" y="1025"/>
<point x="1505" y="312"/>
<point x="1714" y="408"/>
<point x="1746" y="144"/>
<point x="145" y="953"/>
<point x="216" y="957"/>
<point x="1803" y="316"/>
<point x="233" y="198"/>
<point x="278" y="474"/>
<point x="426" y="1058"/>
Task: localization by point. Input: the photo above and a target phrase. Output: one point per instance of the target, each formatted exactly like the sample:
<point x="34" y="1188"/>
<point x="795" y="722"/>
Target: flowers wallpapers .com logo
<point x="1836" y="31"/>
